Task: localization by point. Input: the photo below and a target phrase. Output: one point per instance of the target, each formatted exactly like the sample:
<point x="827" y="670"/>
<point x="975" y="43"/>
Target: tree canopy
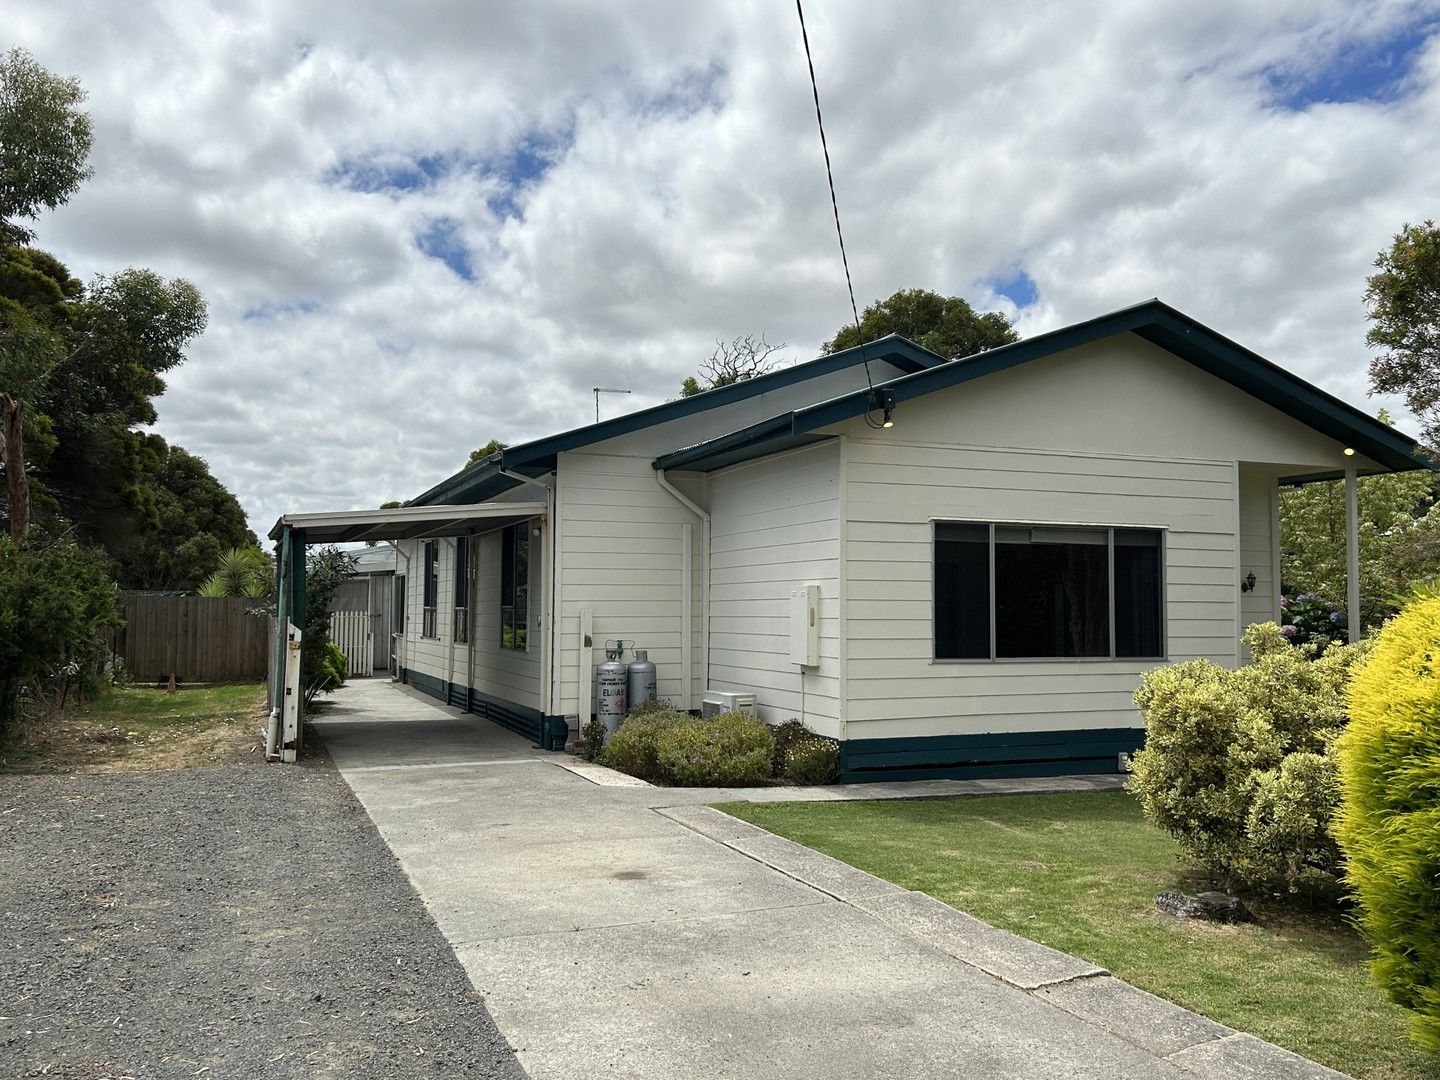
<point x="45" y="141"/>
<point x="731" y="362"/>
<point x="480" y="453"/>
<point x="1399" y="540"/>
<point x="1402" y="299"/>
<point x="946" y="325"/>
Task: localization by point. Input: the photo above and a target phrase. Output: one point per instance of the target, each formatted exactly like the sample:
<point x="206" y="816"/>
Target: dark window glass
<point x="1051" y="592"/>
<point x="401" y="613"/>
<point x="962" y="592"/>
<point x="514" y="585"/>
<point x="432" y="572"/>
<point x="430" y="589"/>
<point x="1138" y="603"/>
<point x="460" y="610"/>
<point x="462" y="571"/>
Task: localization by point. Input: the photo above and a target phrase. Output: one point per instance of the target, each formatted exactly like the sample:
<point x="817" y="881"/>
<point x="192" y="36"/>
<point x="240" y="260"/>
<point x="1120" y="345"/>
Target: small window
<point x="1023" y="592"/>
<point x="401" y="613"/>
<point x="461" y="629"/>
<point x="430" y="586"/>
<point x="515" y="586"/>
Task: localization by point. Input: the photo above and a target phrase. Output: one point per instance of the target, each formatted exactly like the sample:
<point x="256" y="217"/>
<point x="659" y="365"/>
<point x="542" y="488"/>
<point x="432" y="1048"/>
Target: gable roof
<point x="485" y="478"/>
<point x="1153" y="320"/>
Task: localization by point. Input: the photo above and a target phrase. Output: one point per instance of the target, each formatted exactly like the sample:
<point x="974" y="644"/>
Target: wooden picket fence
<point x="200" y="639"/>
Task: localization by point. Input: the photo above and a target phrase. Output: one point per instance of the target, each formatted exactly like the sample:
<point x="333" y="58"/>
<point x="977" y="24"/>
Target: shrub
<point x="57" y="601"/>
<point x="1312" y="620"/>
<point x="334" y="667"/>
<point x="645" y="708"/>
<point x="784" y="734"/>
<point x="812" y="760"/>
<point x="729" y="750"/>
<point x="593" y="735"/>
<point x="1237" y="765"/>
<point x="1389" y="821"/>
<point x="633" y="748"/>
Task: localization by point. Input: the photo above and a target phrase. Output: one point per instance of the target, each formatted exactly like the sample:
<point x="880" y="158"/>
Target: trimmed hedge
<point x="635" y="747"/>
<point x="1237" y="765"/>
<point x="1389" y="820"/>
<point x="729" y="750"/>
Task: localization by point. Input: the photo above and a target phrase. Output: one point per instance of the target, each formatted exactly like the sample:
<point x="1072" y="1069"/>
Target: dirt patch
<point x="77" y="740"/>
<point x="235" y="921"/>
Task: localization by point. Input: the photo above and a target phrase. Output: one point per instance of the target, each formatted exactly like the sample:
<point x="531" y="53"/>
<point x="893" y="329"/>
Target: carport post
<point x="1352" y="555"/>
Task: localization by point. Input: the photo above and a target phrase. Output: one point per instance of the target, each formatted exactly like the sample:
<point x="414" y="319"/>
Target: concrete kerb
<point x="1088" y="992"/>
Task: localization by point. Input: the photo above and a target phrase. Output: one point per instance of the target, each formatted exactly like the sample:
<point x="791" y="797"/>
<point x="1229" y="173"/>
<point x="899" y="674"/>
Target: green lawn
<point x="1080" y="872"/>
<point x="141" y="728"/>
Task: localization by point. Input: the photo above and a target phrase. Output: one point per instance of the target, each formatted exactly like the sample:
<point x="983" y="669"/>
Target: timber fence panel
<point x="198" y="638"/>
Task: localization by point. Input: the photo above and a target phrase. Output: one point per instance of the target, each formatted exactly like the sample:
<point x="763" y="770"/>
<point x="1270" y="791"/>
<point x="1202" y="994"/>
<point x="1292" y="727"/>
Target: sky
<point x="422" y="226"/>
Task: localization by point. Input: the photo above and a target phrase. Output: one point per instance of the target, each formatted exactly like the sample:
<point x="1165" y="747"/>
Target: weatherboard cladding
<point x="1120" y="430"/>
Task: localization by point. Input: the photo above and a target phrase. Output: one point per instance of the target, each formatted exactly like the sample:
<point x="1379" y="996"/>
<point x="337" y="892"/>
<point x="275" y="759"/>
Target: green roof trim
<point x="1153" y="320"/>
<point x="484" y="479"/>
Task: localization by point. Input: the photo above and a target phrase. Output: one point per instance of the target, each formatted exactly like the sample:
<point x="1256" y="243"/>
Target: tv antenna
<point x="604" y="390"/>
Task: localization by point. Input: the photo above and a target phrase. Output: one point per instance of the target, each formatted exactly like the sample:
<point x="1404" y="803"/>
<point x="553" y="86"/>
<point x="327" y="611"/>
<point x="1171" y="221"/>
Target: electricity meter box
<point x="805" y="625"/>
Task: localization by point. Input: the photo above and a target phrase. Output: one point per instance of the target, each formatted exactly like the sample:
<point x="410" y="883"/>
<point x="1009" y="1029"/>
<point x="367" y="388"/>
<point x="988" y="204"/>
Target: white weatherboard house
<point x="1038" y="526"/>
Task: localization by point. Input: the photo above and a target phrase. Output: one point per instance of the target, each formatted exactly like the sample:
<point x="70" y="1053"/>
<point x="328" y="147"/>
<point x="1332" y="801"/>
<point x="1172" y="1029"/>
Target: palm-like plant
<point x="242" y="572"/>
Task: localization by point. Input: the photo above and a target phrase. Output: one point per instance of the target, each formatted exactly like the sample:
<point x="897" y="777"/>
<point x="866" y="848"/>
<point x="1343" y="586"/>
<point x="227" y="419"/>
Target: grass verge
<point x="1080" y="872"/>
<point x="131" y="728"/>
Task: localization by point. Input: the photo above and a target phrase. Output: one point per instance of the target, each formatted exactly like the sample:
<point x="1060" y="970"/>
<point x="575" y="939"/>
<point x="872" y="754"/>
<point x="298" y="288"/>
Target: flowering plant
<point x="1312" y="620"/>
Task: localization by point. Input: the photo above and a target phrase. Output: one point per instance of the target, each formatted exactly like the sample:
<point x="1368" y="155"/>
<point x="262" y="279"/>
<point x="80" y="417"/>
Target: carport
<point x="293" y="534"/>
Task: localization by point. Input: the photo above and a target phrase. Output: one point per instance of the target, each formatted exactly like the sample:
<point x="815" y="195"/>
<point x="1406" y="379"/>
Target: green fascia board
<point x="1154" y="321"/>
<point x="892" y="349"/>
<point x="485" y="479"/>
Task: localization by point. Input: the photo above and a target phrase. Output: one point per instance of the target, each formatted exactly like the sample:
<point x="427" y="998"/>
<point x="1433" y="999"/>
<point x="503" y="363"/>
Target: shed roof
<point x="1153" y="320"/>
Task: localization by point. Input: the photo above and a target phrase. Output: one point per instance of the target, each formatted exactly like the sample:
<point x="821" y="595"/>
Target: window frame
<point x="1110" y="531"/>
<point x="460" y="591"/>
<point x="430" y="590"/>
<point x="510" y="536"/>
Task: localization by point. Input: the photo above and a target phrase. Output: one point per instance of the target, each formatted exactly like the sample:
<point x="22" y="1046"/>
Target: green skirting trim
<point x="999" y="754"/>
<point x="520" y="719"/>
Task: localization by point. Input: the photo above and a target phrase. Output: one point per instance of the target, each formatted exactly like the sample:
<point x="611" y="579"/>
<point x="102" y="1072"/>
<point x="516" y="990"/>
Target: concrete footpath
<point x="625" y="930"/>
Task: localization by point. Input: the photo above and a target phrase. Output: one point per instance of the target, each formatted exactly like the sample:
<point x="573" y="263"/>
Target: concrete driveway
<point x="631" y="931"/>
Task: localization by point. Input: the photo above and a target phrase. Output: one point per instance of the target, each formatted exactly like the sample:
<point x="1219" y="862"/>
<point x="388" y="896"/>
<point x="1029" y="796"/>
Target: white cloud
<point x="668" y="176"/>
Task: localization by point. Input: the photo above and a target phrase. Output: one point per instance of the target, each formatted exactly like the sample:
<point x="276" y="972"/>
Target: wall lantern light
<point x="884" y="400"/>
<point x="1248" y="585"/>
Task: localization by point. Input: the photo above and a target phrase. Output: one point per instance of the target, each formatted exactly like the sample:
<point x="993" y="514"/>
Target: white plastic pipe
<point x="704" y="517"/>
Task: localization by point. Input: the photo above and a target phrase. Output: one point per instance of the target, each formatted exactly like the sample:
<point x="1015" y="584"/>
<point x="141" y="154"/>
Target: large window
<point x="1022" y="592"/>
<point x="514" y="585"/>
<point x="461" y="628"/>
<point x="430" y="589"/>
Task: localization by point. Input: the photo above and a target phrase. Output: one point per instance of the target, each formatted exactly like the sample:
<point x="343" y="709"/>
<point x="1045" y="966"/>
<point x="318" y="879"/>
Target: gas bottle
<point x="640" y="680"/>
<point x="610" y="687"/>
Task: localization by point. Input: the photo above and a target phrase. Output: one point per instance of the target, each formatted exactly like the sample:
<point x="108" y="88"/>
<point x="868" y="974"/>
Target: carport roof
<point x="404" y="522"/>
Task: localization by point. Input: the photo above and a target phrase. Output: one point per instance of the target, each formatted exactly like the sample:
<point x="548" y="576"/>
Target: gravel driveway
<point x="238" y="921"/>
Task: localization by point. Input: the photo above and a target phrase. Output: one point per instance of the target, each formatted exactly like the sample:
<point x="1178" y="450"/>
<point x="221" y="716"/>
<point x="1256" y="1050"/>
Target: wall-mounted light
<point x="1349" y="451"/>
<point x="1248" y="585"/>
<point x="884" y="400"/>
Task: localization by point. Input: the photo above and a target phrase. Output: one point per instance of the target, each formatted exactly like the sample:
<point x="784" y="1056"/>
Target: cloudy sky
<point x="422" y="226"/>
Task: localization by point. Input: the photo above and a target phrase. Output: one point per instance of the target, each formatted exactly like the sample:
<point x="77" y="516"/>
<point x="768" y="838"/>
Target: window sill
<point x="941" y="662"/>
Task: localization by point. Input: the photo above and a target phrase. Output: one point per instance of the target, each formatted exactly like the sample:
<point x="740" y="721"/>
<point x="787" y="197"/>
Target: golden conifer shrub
<point x="1388" y="824"/>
